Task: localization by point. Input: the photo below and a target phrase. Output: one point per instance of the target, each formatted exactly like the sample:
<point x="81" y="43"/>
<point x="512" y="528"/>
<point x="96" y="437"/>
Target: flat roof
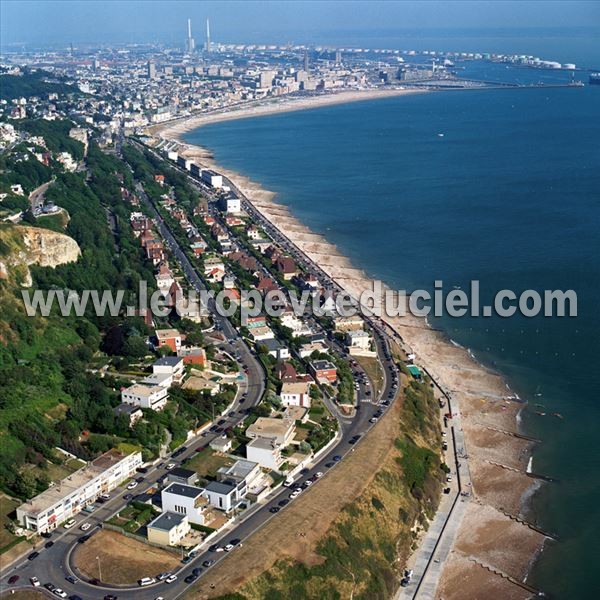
<point x="179" y="472"/>
<point x="219" y="487"/>
<point x="141" y="390"/>
<point x="166" y="521"/>
<point x="240" y="468"/>
<point x="71" y="484"/>
<point x="297" y="387"/>
<point x="180" y="489"/>
<point x="168" y="361"/>
<point x="262" y="443"/>
<point x="322" y="364"/>
<point x="268" y="426"/>
<point x="166" y="333"/>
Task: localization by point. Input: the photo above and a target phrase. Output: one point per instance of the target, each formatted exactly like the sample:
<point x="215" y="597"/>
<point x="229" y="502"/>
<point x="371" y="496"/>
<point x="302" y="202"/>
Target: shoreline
<point x="489" y="409"/>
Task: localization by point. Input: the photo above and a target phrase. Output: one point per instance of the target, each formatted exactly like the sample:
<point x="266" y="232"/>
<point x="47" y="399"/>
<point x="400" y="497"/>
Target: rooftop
<point x="168" y="361"/>
<point x="269" y="427"/>
<point x="180" y="489"/>
<point x="319" y="365"/>
<point x="163" y="334"/>
<point x="219" y="487"/>
<point x="166" y="521"/>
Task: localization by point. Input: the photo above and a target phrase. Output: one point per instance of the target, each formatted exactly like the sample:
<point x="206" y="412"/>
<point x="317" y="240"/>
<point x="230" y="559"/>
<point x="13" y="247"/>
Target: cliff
<point x="22" y="246"/>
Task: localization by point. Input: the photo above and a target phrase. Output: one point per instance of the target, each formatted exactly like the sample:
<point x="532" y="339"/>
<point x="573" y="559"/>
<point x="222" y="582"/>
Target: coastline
<point x="489" y="535"/>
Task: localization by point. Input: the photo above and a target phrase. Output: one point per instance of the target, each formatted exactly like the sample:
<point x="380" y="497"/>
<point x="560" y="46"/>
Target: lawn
<point x="7" y="506"/>
<point x="134" y="517"/>
<point x="207" y="463"/>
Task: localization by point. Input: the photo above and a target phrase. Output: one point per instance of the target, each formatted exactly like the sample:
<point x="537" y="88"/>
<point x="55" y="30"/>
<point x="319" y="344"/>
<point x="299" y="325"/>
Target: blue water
<point x="509" y="196"/>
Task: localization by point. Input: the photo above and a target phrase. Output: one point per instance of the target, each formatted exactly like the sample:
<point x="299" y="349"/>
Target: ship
<point x="594" y="79"/>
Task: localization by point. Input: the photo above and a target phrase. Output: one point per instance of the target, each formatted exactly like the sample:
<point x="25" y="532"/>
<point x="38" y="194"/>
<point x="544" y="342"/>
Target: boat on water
<point x="594" y="79"/>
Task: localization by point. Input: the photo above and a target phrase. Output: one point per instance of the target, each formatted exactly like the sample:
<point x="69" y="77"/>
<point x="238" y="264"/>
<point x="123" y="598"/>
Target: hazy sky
<point x="48" y="21"/>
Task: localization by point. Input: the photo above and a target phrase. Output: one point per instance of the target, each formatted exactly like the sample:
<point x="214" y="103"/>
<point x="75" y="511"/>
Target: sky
<point x="42" y="22"/>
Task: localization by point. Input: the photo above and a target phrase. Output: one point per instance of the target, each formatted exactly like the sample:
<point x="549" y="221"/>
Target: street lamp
<point x="99" y="568"/>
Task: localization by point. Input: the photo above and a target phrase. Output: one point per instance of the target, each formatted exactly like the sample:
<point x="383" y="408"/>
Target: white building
<point x="358" y="339"/>
<point x="59" y="503"/>
<point x="266" y="452"/>
<point x="185" y="500"/>
<point x="168" y="529"/>
<point x="146" y="396"/>
<point x="225" y="495"/>
<point x="213" y="179"/>
<point x="231" y="204"/>
<point x="296" y="394"/>
<point x="170" y="365"/>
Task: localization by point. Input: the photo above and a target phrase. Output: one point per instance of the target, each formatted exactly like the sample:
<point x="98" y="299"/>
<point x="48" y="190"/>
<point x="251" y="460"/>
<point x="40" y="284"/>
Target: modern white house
<point x="266" y="452"/>
<point x="146" y="396"/>
<point x="170" y="365"/>
<point x="185" y="500"/>
<point x="57" y="504"/>
<point x="281" y="430"/>
<point x="358" y="339"/>
<point x="225" y="495"/>
<point x="296" y="394"/>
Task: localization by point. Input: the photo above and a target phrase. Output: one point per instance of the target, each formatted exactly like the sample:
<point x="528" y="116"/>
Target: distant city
<point x="142" y="85"/>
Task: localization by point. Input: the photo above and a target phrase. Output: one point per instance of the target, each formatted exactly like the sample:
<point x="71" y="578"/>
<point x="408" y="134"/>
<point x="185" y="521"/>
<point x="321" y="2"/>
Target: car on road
<point x="13" y="579"/>
<point x="171" y="579"/>
<point x="68" y="524"/>
<point x="110" y="597"/>
<point x="274" y="509"/>
<point x="71" y="579"/>
<point x="170" y="466"/>
<point x="49" y="544"/>
<point x="191" y="578"/>
<point x="85" y="526"/>
<point x="208" y="563"/>
<point x="146" y="581"/>
<point x="75" y="597"/>
<point x="83" y="539"/>
<point x="284" y="502"/>
<point x="33" y="555"/>
<point x="448" y="478"/>
<point x="229" y="547"/>
<point x="330" y="464"/>
<point x="373" y="420"/>
<point x="128" y="497"/>
<point x="132" y="485"/>
<point x="318" y="474"/>
<point x="196" y="571"/>
<point x="162" y="576"/>
<point x="50" y="586"/>
<point x="35" y="582"/>
<point x="337" y="458"/>
<point x="60" y="593"/>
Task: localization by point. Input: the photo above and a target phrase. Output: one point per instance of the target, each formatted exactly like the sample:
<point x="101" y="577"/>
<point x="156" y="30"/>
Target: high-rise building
<point x="338" y="57"/>
<point x="190" y="44"/>
<point x="151" y="69"/>
<point x="207" y="43"/>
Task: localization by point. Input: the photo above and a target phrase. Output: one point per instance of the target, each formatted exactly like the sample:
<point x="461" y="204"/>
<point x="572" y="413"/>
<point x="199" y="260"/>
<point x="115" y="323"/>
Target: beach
<point x="492" y="549"/>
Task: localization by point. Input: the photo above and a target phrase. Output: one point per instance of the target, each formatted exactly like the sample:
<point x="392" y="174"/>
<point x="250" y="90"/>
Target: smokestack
<point x="207" y="35"/>
<point x="189" y="28"/>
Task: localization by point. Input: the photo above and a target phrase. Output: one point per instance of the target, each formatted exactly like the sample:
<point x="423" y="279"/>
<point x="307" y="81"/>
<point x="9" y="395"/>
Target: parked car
<point x="49" y="544"/>
<point x="33" y="555"/>
<point x="60" y="593"/>
<point x="68" y="524"/>
<point x="162" y="576"/>
<point x="146" y="581"/>
<point x="71" y="579"/>
<point x="85" y="526"/>
<point x="191" y="578"/>
<point x="274" y="509"/>
<point x="208" y="563"/>
<point x="171" y="579"/>
<point x="13" y="579"/>
<point x="35" y="582"/>
<point x="170" y="466"/>
<point x="132" y="485"/>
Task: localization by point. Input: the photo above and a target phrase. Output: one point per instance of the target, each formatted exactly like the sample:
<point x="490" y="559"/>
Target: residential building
<point x="185" y="500"/>
<point x="164" y="278"/>
<point x="170" y="365"/>
<point x="145" y="396"/>
<point x="185" y="476"/>
<point x="133" y="413"/>
<point x="323" y="371"/>
<point x="274" y="347"/>
<point x="266" y="452"/>
<point x="222" y="444"/>
<point x="240" y="471"/>
<point x="225" y="495"/>
<point x="68" y="497"/>
<point x="358" y="339"/>
<point x="168" y="337"/>
<point x="281" y="430"/>
<point x="296" y="394"/>
<point x="193" y="356"/>
<point x="348" y="323"/>
<point x="211" y="178"/>
<point x="168" y="529"/>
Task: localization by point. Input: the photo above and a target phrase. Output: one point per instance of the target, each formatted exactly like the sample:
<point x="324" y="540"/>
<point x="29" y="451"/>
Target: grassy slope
<point x="366" y="547"/>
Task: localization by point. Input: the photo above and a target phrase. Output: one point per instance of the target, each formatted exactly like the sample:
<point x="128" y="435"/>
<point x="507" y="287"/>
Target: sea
<point x="509" y="195"/>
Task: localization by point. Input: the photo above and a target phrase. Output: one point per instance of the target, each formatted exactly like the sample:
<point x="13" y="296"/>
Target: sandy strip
<point x="488" y="407"/>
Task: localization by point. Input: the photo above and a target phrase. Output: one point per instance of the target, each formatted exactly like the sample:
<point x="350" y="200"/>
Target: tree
<point x="135" y="347"/>
<point x="25" y="484"/>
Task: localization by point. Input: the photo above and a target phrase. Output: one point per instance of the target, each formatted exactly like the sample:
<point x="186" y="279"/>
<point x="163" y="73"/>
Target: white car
<point x="132" y="485"/>
<point x="60" y="593"/>
<point x="229" y="548"/>
<point x="319" y="474"/>
<point x="170" y="466"/>
<point x="69" y="523"/>
<point x="171" y="579"/>
<point x="85" y="526"/>
<point x="35" y="582"/>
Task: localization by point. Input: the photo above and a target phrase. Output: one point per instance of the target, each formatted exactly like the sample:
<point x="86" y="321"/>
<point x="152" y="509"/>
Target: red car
<point x="13" y="579"/>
